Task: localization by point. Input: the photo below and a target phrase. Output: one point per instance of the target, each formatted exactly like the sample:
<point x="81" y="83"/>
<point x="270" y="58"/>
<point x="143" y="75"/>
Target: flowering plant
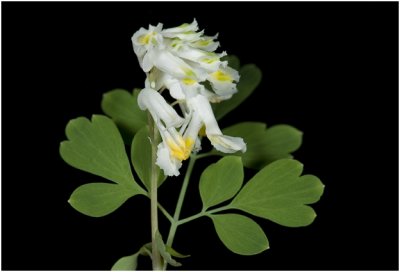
<point x="188" y="87"/>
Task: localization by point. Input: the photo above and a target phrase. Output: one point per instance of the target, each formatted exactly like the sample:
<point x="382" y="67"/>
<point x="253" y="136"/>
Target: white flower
<point x="184" y="54"/>
<point x="145" y="40"/>
<point x="174" y="148"/>
<point x="227" y="144"/>
<point x="223" y="80"/>
<point x="183" y="60"/>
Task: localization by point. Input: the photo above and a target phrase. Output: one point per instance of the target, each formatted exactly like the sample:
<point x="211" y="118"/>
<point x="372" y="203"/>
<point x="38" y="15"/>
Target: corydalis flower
<point x="182" y="60"/>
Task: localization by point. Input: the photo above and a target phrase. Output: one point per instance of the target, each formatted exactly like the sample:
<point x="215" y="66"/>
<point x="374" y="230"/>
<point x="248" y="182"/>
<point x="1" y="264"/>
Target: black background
<point x="330" y="69"/>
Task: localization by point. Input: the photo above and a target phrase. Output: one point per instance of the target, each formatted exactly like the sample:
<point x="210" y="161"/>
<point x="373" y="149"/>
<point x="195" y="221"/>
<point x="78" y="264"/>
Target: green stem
<point x="166" y="213"/>
<point x="156" y="258"/>
<point x="202" y="213"/>
<point x="208" y="154"/>
<point x="174" y="223"/>
<point x="190" y="218"/>
<point x="181" y="198"/>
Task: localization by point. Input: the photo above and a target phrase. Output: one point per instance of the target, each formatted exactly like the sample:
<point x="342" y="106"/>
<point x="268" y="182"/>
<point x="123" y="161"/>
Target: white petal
<point x="157" y="28"/>
<point x="223" y="81"/>
<point x="159" y="108"/>
<point x="172" y="65"/>
<point x="147" y="62"/>
<point x="212" y="97"/>
<point x="174" y="87"/>
<point x="169" y="32"/>
<point x="194" y="126"/>
<point x="166" y="162"/>
<point x="155" y="79"/>
<point x="202" y="107"/>
<point x="206" y="60"/>
<point x="227" y="144"/>
<point x="189" y="36"/>
<point x="142" y="32"/>
<point x="206" y="43"/>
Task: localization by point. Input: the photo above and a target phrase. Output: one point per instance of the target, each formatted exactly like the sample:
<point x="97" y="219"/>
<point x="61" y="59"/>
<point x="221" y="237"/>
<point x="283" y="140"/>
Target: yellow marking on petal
<point x="221" y="76"/>
<point x="202" y="131"/>
<point x="189" y="72"/>
<point x="182" y="149"/>
<point x="189" y="81"/>
<point x="203" y="43"/>
<point x="208" y="60"/>
<point x="145" y="39"/>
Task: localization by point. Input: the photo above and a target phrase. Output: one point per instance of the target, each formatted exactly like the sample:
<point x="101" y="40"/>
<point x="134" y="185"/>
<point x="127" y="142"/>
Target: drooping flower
<point x="174" y="148"/>
<point x="182" y="60"/>
<point x="201" y="107"/>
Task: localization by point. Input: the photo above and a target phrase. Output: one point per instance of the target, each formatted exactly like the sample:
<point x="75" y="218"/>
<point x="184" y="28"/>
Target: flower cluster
<point x="182" y="60"/>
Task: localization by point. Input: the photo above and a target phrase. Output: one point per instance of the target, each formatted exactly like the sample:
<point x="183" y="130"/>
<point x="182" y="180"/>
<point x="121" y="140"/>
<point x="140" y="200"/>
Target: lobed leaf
<point x="265" y="145"/>
<point x="280" y="194"/>
<point x="96" y="147"/>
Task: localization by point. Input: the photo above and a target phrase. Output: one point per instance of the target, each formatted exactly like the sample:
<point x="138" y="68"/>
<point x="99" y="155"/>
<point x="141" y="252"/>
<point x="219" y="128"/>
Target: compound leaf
<point x="280" y="194"/>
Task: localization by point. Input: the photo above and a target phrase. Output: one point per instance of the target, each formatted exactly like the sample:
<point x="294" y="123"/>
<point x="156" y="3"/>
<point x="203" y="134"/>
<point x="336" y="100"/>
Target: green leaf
<point x="233" y="61"/>
<point x="240" y="234"/>
<point x="164" y="253"/>
<point x="131" y="262"/>
<point x="122" y="107"/>
<point x="127" y="263"/>
<point x="279" y="194"/>
<point x="141" y="158"/>
<point x="97" y="147"/>
<point x="174" y="253"/>
<point x="265" y="145"/>
<point x="99" y="199"/>
<point x="221" y="181"/>
<point x="250" y="77"/>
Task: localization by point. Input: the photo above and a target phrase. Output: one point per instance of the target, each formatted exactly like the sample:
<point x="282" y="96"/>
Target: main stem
<point x="156" y="258"/>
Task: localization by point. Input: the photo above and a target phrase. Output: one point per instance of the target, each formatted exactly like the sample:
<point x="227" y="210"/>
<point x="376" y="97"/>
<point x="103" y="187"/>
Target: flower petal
<point x="166" y="162"/>
<point x="159" y="108"/>
<point x="227" y="144"/>
<point x="170" y="32"/>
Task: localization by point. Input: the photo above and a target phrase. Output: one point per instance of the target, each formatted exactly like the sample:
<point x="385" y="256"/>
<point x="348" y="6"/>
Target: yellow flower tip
<point x="182" y="149"/>
<point x="145" y="39"/>
<point x="189" y="72"/>
<point x="208" y="60"/>
<point x="203" y="43"/>
<point x="221" y="76"/>
<point x="188" y="81"/>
